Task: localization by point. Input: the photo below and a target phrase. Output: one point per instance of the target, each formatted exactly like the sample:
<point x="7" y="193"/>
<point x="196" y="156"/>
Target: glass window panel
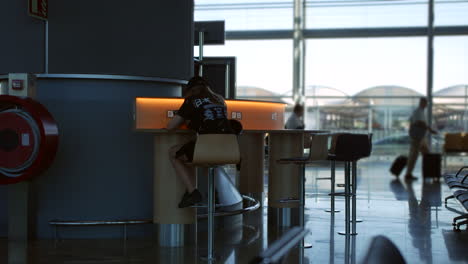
<point x="451" y="13"/>
<point x="450" y="110"/>
<point x="323" y="14"/>
<point x="450" y="62"/>
<point x="247" y="15"/>
<point x="366" y="85"/>
<point x="264" y="67"/>
<point x="353" y="65"/>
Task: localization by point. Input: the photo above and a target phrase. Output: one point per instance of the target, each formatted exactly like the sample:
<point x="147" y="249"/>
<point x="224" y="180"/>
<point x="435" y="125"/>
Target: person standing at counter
<point x="205" y="112"/>
<point x="295" y="120"/>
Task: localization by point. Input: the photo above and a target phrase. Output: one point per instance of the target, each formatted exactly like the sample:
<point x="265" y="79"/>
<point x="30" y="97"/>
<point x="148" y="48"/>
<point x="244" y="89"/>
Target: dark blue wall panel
<point x="144" y="37"/>
<point x="103" y="168"/>
<point x="22" y="44"/>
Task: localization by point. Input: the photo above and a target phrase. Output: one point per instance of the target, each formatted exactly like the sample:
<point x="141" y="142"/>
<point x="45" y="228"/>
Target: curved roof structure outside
<point x="377" y="96"/>
<point x="257" y="93"/>
<point x="456" y="96"/>
<point x="455" y="90"/>
<point x="336" y="97"/>
<point x="327" y="96"/>
<point x="380" y="92"/>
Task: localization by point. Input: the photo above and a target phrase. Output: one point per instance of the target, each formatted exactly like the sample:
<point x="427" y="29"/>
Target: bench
<point x="462" y="198"/>
<point x="456" y="181"/>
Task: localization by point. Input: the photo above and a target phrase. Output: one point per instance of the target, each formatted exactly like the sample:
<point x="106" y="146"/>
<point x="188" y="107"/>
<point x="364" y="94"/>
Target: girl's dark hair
<point x="196" y="81"/>
<point x="203" y="88"/>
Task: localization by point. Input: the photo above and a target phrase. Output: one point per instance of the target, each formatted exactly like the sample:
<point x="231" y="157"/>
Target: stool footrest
<point x="204" y="205"/>
<point x="337" y="194"/>
<point x="288" y="200"/>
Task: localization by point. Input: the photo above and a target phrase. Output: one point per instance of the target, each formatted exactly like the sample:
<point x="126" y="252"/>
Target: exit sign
<point x="38" y="8"/>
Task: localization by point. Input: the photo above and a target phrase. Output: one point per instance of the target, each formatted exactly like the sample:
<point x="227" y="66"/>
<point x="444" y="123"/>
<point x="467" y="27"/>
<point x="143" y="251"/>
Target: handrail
<point x="252" y="208"/>
<point x="288" y="200"/>
<point x="99" y="222"/>
<point x="55" y="222"/>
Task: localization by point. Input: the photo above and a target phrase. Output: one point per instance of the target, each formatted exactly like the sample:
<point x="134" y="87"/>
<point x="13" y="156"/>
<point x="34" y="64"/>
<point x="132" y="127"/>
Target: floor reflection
<point x="409" y="214"/>
<point x="420" y="213"/>
<point x="17" y="252"/>
<point x="332" y="238"/>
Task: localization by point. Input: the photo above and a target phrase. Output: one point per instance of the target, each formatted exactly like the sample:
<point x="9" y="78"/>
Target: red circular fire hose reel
<point x="28" y="139"/>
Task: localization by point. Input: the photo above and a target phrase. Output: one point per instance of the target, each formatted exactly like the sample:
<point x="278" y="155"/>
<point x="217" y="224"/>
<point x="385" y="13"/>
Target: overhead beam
<point x="348" y="33"/>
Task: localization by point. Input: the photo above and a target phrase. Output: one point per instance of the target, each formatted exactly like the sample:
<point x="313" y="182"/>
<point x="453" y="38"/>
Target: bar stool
<point x="211" y="151"/>
<point x="349" y="148"/>
<point x="318" y="152"/>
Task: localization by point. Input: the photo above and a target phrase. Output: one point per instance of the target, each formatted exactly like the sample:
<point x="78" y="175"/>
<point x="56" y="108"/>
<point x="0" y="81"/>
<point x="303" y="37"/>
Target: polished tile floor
<point x="412" y="215"/>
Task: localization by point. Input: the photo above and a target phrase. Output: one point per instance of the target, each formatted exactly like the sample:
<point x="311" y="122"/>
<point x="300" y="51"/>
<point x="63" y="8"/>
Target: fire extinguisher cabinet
<point x="28" y="139"/>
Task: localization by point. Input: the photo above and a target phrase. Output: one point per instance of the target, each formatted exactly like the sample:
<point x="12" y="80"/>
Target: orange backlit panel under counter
<point x="257" y="115"/>
<point x="153" y="113"/>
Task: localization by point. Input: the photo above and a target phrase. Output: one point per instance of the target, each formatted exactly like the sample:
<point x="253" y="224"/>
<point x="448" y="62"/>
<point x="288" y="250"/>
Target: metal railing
<point x="255" y="204"/>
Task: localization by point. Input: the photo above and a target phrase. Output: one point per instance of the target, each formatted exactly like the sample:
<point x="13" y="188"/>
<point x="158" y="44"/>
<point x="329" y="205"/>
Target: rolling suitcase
<point x="431" y="165"/>
<point x="398" y="165"/>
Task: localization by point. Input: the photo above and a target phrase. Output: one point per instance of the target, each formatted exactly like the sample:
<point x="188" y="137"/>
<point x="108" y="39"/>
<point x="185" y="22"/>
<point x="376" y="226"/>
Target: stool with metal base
<point x="318" y="152"/>
<point x="332" y="191"/>
<point x="349" y="148"/>
<point x="212" y="150"/>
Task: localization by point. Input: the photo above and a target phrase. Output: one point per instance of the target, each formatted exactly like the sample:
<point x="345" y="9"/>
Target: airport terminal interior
<point x="346" y="139"/>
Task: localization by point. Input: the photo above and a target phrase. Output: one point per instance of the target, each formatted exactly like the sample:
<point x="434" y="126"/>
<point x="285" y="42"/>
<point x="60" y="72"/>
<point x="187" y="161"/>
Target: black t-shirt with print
<point x="206" y="113"/>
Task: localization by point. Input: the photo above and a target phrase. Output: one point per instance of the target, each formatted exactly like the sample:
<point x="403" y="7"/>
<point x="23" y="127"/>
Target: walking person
<point x="417" y="133"/>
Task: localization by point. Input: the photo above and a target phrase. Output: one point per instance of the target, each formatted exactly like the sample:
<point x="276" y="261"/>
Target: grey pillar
<point x="299" y="52"/>
<point x="430" y="65"/>
<point x="18" y="211"/>
<point x="465" y="113"/>
<point x="369" y="121"/>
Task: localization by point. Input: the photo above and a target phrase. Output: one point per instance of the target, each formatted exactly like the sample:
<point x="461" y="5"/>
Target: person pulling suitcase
<point x="398" y="165"/>
<point x="417" y="133"/>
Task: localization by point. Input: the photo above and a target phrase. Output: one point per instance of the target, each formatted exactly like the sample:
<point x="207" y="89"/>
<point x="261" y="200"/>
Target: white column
<point x="299" y="52"/>
<point x="430" y="64"/>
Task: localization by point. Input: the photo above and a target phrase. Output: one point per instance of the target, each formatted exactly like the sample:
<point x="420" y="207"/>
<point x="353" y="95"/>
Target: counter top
<point x="281" y="131"/>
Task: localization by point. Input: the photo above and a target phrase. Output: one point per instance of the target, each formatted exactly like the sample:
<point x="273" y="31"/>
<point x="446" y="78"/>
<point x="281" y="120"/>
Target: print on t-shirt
<point x="206" y="115"/>
<point x="213" y="112"/>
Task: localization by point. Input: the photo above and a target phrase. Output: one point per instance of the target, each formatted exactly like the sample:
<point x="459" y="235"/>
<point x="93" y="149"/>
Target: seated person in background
<point x="295" y="120"/>
<point x="206" y="113"/>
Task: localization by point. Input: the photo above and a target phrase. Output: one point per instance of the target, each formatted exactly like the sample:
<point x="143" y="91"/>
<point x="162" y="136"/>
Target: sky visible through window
<point x="350" y="65"/>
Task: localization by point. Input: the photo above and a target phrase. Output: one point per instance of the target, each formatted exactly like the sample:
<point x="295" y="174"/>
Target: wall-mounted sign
<point x="38" y="8"/>
<point x="17" y="85"/>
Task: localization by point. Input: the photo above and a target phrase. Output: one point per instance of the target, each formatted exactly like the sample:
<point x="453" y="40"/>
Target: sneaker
<point x="410" y="177"/>
<point x="190" y="199"/>
<point x="186" y="193"/>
